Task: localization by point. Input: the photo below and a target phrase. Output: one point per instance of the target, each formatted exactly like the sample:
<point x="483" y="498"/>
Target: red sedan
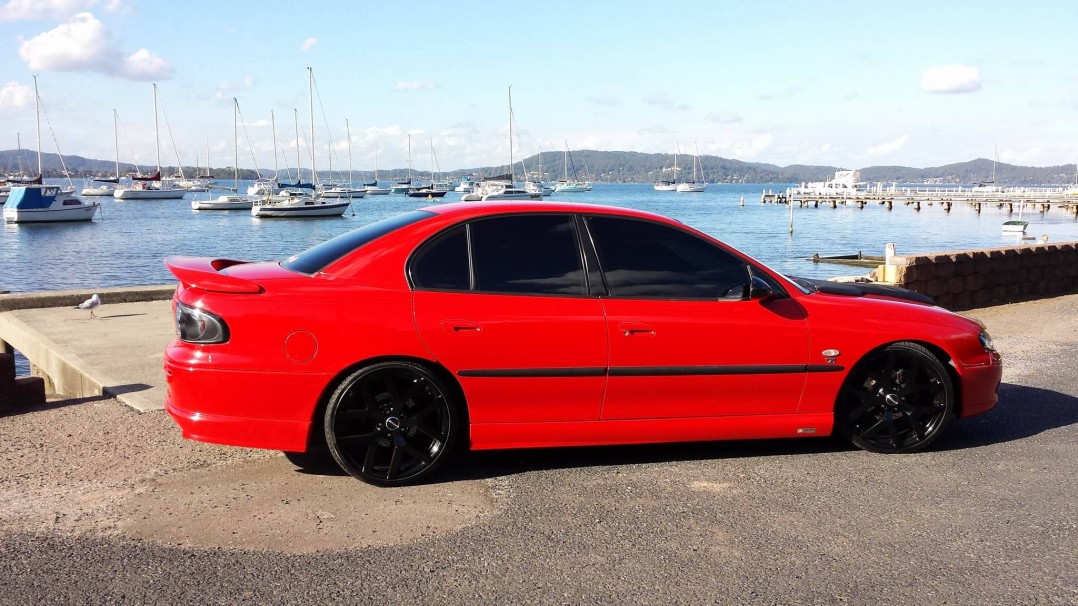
<point x="524" y="325"/>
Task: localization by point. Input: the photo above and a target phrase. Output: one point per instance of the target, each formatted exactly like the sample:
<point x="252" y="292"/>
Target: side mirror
<point x="759" y="290"/>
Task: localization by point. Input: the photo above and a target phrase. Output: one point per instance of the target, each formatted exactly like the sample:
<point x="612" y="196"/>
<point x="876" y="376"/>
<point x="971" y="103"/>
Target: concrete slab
<point x="118" y="354"/>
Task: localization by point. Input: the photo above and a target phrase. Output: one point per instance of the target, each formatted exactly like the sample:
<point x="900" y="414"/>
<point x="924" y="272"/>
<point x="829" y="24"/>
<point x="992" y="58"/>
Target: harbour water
<point x="126" y="244"/>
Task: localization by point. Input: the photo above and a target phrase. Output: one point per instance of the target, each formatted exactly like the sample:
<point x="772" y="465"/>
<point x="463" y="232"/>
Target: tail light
<point x="195" y="325"/>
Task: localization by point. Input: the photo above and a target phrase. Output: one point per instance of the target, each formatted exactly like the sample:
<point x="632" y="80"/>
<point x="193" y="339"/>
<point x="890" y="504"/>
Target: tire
<point x="391" y="424"/>
<point x="897" y="399"/>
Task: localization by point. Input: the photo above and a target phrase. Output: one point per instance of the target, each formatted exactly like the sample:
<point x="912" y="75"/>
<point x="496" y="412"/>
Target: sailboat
<point x="372" y="188"/>
<point x="565" y="185"/>
<point x="301" y="206"/>
<point x="667" y="184"/>
<point x="989" y="186"/>
<point x="345" y="191"/>
<point x="403" y="187"/>
<point x="229" y="201"/>
<point x="429" y="191"/>
<point x="268" y="186"/>
<point x="106" y="186"/>
<point x="38" y="203"/>
<point x="501" y="189"/>
<point x="694" y="186"/>
<point x="152" y="187"/>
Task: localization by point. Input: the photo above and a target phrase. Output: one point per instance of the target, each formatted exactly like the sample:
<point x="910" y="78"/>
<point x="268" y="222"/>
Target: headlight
<point x="199" y="326"/>
<point x="986" y="341"/>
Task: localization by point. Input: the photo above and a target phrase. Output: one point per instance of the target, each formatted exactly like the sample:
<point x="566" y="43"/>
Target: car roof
<point x="480" y="209"/>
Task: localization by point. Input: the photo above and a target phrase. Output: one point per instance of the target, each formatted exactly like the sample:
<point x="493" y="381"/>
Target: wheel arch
<point x="316" y="437"/>
<point x="941" y="354"/>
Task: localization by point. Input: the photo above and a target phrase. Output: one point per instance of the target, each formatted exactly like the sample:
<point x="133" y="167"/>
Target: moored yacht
<point x="45" y="204"/>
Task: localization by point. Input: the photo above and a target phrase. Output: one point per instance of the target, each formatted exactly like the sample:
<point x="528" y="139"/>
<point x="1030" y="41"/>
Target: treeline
<point x="613" y="166"/>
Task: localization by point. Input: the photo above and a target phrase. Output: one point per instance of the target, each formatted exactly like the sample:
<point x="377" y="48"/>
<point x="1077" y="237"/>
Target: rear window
<point x="317" y="257"/>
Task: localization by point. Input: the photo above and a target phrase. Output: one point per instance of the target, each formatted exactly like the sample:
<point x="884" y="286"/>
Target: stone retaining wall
<point x="993" y="276"/>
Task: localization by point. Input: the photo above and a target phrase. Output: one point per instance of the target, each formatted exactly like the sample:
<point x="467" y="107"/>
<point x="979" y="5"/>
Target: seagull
<point x="90" y="304"/>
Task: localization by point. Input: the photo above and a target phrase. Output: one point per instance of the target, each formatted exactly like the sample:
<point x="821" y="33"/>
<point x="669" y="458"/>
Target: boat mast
<point x="511" y="176"/>
<point x="37" y="112"/>
<point x="565" y="160"/>
<point x="348" y="131"/>
<point x="235" y="144"/>
<point x="295" y="114"/>
<point x="276" y="169"/>
<point x="116" y="140"/>
<point x="409" y="158"/>
<point x="156" y="131"/>
<point x="432" y="163"/>
<point x="310" y="94"/>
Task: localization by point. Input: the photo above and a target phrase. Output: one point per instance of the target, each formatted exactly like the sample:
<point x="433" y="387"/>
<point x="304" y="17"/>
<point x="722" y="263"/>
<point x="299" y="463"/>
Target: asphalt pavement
<point x="108" y="506"/>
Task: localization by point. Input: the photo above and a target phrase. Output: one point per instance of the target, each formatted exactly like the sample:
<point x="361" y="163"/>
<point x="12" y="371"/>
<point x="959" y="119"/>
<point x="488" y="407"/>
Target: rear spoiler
<point x="204" y="273"/>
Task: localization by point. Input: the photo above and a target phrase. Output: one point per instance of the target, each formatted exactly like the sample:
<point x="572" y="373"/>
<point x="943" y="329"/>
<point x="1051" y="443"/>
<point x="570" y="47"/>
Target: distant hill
<point x="624" y="167"/>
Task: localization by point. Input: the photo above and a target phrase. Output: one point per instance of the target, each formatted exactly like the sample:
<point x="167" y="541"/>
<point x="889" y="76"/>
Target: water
<point x="127" y="243"/>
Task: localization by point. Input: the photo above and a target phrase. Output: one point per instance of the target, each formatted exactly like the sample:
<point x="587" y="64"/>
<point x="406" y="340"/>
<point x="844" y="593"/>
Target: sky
<point x="848" y="84"/>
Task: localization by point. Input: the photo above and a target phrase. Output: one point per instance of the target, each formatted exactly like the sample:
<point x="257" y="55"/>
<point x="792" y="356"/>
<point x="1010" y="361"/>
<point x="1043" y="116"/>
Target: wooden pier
<point x="1039" y="199"/>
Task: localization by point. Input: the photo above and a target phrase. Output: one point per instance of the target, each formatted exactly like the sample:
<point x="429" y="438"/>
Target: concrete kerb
<point x="30" y="323"/>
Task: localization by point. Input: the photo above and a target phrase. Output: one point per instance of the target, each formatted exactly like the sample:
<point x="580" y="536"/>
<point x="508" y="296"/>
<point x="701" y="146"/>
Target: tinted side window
<point x="442" y="263"/>
<point x="643" y="259"/>
<point x="536" y="254"/>
<point x="316" y="258"/>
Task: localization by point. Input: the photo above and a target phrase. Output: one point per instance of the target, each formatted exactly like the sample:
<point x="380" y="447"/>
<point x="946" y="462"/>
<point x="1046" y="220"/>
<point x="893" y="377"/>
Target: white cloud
<point x="42" y="10"/>
<point x="951" y="79"/>
<point x="144" y="65"/>
<point x="226" y="90"/>
<point x="889" y="147"/>
<point x="414" y="85"/>
<point x="84" y="44"/>
<point x="14" y="94"/>
<point x="308" y="44"/>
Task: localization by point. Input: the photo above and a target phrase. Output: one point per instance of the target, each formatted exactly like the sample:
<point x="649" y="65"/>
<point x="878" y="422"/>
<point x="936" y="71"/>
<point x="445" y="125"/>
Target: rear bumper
<point x="272" y="410"/>
<point x="273" y="434"/>
<point x="980" y="387"/>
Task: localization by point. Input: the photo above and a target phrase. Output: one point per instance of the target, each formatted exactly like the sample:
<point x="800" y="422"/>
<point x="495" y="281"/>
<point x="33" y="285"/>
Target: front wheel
<point x="391" y="424"/>
<point x="898" y="399"/>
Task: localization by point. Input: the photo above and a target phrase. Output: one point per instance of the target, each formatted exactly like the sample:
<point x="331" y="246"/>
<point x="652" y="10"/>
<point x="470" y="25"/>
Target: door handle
<point x="636" y="329"/>
<point x="458" y="327"/>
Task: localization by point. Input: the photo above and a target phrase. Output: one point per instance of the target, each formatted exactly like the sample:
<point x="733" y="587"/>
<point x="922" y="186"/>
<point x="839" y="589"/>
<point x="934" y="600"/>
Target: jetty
<point x="1042" y="199"/>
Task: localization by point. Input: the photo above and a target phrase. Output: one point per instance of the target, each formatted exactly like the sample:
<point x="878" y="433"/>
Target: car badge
<point x="830" y="355"/>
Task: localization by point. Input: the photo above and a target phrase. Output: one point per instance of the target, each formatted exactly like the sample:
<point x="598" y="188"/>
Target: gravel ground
<point x="105" y="505"/>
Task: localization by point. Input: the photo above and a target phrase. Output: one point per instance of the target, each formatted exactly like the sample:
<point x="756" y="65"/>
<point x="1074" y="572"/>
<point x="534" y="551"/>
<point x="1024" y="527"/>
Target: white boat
<point x="302" y="205"/>
<point x="466" y="185"/>
<point x="667" y="184"/>
<point x="504" y="187"/>
<point x="106" y="186"/>
<point x="229" y="201"/>
<point x="845" y="182"/>
<point x="1016" y="226"/>
<point x="44" y="203"/>
<point x="565" y="184"/>
<point x="98" y="189"/>
<point x="151" y="188"/>
<point x="344" y="190"/>
<point x="693" y="186"/>
<point x="372" y="188"/>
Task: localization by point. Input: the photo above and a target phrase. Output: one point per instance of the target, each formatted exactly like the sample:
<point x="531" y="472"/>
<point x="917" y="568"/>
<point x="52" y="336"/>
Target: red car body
<point x="542" y="370"/>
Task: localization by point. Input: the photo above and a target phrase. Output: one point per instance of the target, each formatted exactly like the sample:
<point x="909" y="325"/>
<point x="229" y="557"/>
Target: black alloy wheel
<point x="391" y="424"/>
<point x="898" y="399"/>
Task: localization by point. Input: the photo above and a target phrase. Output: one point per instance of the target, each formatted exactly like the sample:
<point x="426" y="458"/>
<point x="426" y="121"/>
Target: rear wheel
<point x="898" y="399"/>
<point x="391" y="424"/>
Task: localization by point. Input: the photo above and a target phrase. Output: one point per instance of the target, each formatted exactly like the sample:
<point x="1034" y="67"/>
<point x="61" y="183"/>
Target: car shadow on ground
<point x="1022" y="412"/>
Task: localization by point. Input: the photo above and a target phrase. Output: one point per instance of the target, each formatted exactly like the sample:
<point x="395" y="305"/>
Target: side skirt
<point x="494" y="436"/>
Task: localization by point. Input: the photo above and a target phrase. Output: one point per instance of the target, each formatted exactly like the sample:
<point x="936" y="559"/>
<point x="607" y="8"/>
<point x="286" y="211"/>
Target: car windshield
<point x="317" y="257"/>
